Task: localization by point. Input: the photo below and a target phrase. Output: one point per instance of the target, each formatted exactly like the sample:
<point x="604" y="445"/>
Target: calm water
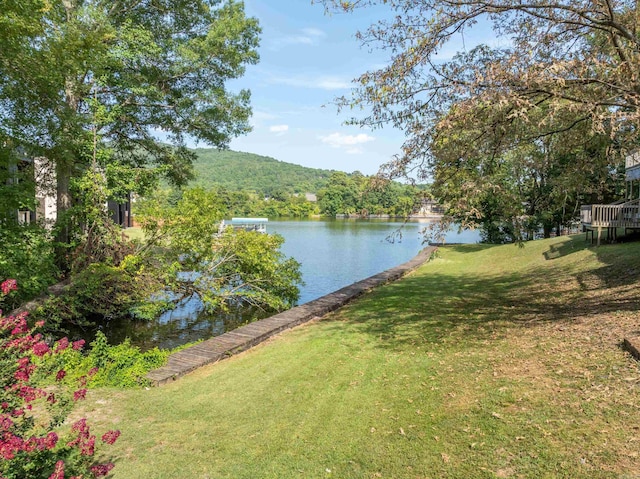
<point x="332" y="254"/>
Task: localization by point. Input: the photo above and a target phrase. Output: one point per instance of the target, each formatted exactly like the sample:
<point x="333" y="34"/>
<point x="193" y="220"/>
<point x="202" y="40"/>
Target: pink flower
<point x="110" y="437"/>
<point x="31" y="444"/>
<point x="6" y="423"/>
<point x="29" y="393"/>
<point x="60" y="375"/>
<point x="58" y="472"/>
<point x="101" y="469"/>
<point x="39" y="324"/>
<point x="88" y="448"/>
<point x="62" y="345"/>
<point x="51" y="440"/>
<point x="79" y="394"/>
<point x="92" y="372"/>
<point x="21" y="327"/>
<point x="22" y="375"/>
<point x="40" y="349"/>
<point x="8" y="286"/>
<point x="77" y="345"/>
<point x="80" y="425"/>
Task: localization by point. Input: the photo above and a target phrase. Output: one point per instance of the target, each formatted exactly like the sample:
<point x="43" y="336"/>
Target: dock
<point x="245" y="337"/>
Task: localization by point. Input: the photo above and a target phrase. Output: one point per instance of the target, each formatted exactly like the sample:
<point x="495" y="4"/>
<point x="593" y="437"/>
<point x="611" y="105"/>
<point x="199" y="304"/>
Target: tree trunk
<point x="63" y="203"/>
<point x="64" y="170"/>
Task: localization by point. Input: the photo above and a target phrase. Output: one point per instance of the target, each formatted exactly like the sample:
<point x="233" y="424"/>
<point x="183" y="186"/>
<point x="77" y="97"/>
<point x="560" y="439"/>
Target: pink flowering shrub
<point x="31" y="442"/>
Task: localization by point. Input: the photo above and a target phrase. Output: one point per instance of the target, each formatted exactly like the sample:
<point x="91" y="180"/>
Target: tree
<point x="558" y="67"/>
<point x="523" y="185"/>
<point x="185" y="245"/>
<point x="339" y="196"/>
<point x="97" y="81"/>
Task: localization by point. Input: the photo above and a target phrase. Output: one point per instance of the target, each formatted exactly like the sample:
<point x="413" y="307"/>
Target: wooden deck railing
<point x="632" y="160"/>
<point x="623" y="215"/>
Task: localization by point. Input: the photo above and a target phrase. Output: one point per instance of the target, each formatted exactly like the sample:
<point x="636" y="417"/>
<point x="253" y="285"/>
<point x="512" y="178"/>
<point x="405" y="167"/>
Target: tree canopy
<point x="85" y="81"/>
<point x="562" y="74"/>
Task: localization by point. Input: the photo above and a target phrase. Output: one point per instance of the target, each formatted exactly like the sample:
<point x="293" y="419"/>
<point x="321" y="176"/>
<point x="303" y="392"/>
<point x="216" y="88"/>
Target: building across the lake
<point x="429" y="209"/>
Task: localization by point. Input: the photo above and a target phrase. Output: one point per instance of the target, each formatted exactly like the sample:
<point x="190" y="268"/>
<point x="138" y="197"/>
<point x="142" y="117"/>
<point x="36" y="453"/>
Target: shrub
<point x="121" y="365"/>
<point x="102" y="292"/>
<point x="32" y="443"/>
<point x="30" y="245"/>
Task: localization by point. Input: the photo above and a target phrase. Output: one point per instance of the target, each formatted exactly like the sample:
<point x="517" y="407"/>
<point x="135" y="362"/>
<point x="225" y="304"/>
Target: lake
<point x="336" y="253"/>
<point x="332" y="254"/>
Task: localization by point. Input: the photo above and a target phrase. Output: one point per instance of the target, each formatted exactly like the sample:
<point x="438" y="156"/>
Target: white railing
<point x="625" y="215"/>
<point x="632" y="159"/>
<point x="585" y="214"/>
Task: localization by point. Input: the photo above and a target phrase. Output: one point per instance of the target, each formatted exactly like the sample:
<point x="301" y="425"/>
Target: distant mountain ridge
<point x="236" y="170"/>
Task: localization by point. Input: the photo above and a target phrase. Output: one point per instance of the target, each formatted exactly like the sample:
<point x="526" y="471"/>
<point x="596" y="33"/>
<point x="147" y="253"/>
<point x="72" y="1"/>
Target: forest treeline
<point x="254" y="185"/>
<point x="236" y="170"/>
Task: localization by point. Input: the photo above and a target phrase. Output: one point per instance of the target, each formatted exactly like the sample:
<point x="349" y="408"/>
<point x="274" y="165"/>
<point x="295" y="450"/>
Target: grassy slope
<point x="487" y="362"/>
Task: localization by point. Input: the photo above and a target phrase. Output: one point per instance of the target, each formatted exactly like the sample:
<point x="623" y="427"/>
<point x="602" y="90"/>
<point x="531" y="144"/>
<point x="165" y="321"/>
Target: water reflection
<point x="185" y="324"/>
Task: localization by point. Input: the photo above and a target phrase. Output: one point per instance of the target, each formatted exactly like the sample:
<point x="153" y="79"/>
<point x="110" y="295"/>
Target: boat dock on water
<point x="248" y="224"/>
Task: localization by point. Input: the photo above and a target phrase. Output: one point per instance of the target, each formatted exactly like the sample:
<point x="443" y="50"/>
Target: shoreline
<point x="225" y="345"/>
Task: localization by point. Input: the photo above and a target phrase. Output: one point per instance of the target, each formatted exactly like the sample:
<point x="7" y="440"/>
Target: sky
<point x="307" y="60"/>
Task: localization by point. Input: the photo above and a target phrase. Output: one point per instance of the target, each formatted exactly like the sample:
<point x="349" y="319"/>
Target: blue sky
<point x="307" y="59"/>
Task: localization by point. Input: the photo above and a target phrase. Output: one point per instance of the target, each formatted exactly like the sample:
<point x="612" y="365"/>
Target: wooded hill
<point x="247" y="171"/>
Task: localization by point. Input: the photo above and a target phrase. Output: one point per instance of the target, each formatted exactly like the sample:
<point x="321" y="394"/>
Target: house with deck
<point x="623" y="214"/>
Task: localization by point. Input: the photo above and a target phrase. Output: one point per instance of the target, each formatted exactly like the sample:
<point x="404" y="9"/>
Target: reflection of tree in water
<point x="187" y="323"/>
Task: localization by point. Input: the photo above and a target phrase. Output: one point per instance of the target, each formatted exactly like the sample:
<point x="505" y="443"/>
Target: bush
<point x="32" y="446"/>
<point x="103" y="292"/>
<point x="121" y="365"/>
<point x="26" y="245"/>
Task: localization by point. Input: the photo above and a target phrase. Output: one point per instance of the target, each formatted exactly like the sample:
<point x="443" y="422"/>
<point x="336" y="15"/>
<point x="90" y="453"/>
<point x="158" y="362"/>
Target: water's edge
<point x="245" y="337"/>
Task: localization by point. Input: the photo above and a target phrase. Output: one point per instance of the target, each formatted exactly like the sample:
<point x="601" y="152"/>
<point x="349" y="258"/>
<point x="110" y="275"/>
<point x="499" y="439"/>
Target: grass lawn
<point x="134" y="233"/>
<point x="488" y="362"/>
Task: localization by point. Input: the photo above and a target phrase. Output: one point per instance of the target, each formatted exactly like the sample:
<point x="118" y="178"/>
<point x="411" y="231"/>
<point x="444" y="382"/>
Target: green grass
<point x="134" y="233"/>
<point x="487" y="362"/>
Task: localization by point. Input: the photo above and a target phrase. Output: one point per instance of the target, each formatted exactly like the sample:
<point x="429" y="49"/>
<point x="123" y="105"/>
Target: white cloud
<point x="260" y="117"/>
<point x="279" y="129"/>
<point x="321" y="82"/>
<point x="306" y="36"/>
<point x="348" y="142"/>
<point x="313" y="32"/>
